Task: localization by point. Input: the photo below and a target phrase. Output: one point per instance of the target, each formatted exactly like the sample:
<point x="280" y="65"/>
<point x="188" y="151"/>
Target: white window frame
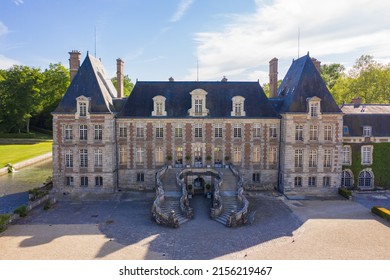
<point x="257" y="130"/>
<point x="198" y="133"/>
<point x="312" y="181"/>
<point x="328" y="133"/>
<point x="68" y="132"/>
<point x="140" y="130"/>
<point x="273" y="157"/>
<point x="159" y="106"/>
<point x="298" y="158"/>
<point x="366" y="155"/>
<point x="98" y="132"/>
<point x="273" y="132"/>
<point x="367" y="131"/>
<point x="122" y="130"/>
<point x="313" y="133"/>
<point x="159" y="131"/>
<point x="256" y="154"/>
<point x="159" y="155"/>
<point x="347" y="155"/>
<point x="83" y="158"/>
<point x="68" y="158"/>
<point x="179" y="130"/>
<point x="313" y="158"/>
<point x="98" y="155"/>
<point x="238" y="107"/>
<point x="198" y="103"/>
<point x="237" y="154"/>
<point x="327" y="158"/>
<point x="237" y="130"/>
<point x="140" y="153"/>
<point x="298" y="132"/>
<point x="218" y="130"/>
<point x="83" y="132"/>
<point x="122" y="155"/>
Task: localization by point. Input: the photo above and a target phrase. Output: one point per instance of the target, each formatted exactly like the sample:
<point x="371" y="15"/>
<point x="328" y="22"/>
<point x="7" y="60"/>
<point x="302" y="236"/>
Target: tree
<point x="266" y="88"/>
<point x="20" y="97"/>
<point x="331" y="73"/>
<point x="127" y="85"/>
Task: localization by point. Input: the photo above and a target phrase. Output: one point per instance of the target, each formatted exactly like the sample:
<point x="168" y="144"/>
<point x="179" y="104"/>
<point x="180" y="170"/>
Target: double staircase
<point x="232" y="203"/>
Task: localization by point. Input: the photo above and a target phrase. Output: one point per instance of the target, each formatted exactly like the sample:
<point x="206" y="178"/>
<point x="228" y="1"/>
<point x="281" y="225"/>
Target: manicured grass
<point x="32" y="135"/>
<point x="13" y="153"/>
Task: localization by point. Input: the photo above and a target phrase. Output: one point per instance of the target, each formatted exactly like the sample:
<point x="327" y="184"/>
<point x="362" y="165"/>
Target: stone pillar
<point x="119" y="77"/>
<point x="273" y="77"/>
<point x="74" y="63"/>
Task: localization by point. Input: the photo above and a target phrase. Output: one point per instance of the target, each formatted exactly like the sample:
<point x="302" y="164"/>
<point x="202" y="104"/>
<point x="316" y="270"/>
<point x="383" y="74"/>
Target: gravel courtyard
<point x="120" y="227"/>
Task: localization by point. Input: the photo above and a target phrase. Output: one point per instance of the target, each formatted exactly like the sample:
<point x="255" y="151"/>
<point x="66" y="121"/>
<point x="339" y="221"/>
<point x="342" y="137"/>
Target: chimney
<point x="74" y="63"/>
<point x="317" y="64"/>
<point x="273" y="77"/>
<point x="119" y="77"/>
<point x="356" y="102"/>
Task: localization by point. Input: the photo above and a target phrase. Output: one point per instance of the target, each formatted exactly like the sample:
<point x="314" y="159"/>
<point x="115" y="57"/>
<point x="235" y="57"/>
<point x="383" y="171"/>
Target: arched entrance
<point x="199" y="184"/>
<point x="366" y="179"/>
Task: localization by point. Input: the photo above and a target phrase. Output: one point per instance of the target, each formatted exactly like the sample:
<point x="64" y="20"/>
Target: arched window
<point x="238" y="106"/>
<point x="365" y="179"/>
<point x="347" y="179"/>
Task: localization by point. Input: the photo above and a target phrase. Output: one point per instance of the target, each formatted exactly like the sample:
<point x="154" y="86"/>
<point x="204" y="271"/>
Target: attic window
<point x="314" y="105"/>
<point x="198" y="102"/>
<point x="159" y="106"/>
<point x="82" y="106"/>
<point x="238" y="106"/>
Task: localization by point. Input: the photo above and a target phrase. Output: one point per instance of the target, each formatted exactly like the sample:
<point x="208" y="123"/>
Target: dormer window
<point x="366" y="131"/>
<point x="198" y="103"/>
<point x="238" y="106"/>
<point x="314" y="104"/>
<point x="159" y="106"/>
<point x="82" y="106"/>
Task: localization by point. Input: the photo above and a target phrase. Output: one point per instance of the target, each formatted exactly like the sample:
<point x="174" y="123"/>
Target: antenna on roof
<point x="299" y="37"/>
<point x="197" y="70"/>
<point x="95" y="41"/>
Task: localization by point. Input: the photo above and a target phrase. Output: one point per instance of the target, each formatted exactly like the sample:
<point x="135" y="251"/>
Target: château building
<point x="297" y="140"/>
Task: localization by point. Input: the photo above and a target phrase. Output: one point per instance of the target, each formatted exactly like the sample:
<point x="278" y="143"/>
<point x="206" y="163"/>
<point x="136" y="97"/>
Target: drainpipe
<point x="279" y="157"/>
<point x="116" y="157"/>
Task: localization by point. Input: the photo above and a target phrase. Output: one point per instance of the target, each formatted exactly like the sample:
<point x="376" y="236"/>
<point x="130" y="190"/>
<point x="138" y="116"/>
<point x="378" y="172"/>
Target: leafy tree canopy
<point x="127" y="85"/>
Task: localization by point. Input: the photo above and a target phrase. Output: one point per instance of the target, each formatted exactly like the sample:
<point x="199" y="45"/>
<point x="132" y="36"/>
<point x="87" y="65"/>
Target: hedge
<point x="344" y="192"/>
<point x="21" y="211"/>
<point x="381" y="212"/>
<point x="4" y="220"/>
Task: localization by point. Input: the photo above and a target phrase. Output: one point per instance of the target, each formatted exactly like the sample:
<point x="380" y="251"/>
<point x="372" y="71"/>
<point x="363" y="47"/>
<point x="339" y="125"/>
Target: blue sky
<point x="158" y="39"/>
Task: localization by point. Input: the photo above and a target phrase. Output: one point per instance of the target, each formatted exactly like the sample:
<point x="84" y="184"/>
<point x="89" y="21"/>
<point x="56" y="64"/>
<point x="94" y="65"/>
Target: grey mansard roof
<point x="301" y="82"/>
<point x="178" y="99"/>
<point x="90" y="81"/>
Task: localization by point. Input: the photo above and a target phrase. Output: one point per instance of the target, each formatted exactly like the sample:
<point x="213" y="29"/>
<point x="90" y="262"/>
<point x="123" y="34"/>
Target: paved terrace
<point x="120" y="227"/>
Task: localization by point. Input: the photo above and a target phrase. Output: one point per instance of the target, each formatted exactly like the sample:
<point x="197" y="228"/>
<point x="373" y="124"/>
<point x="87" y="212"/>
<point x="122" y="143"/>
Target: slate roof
<point x="90" y="81"/>
<point x="375" y="115"/>
<point x="301" y="82"/>
<point x="178" y="99"/>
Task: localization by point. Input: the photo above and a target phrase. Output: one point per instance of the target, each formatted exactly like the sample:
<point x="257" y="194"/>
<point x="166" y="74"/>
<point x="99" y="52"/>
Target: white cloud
<point x="327" y="28"/>
<point x="3" y="29"/>
<point x="6" y="62"/>
<point x="18" y="2"/>
<point x="181" y="10"/>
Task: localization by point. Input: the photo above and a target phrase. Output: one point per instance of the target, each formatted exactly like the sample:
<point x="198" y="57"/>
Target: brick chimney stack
<point x="74" y="63"/>
<point x="317" y="64"/>
<point x="356" y="102"/>
<point x="119" y="77"/>
<point x="273" y="77"/>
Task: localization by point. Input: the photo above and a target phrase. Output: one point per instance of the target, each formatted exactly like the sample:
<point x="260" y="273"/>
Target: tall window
<point x="83" y="132"/>
<point x="237" y="154"/>
<point x="366" y="154"/>
<point x="328" y="158"/>
<point x="218" y="155"/>
<point x="256" y="177"/>
<point x="314" y="109"/>
<point x="159" y="155"/>
<point x="299" y="158"/>
<point x="198" y="106"/>
<point x="179" y="131"/>
<point x="69" y="181"/>
<point x="159" y="106"/>
<point x="68" y="158"/>
<point x="365" y="179"/>
<point x="98" y="181"/>
<point x="237" y="131"/>
<point x="68" y="133"/>
<point x="98" y="158"/>
<point x="83" y="158"/>
<point x="159" y="131"/>
<point x="328" y="133"/>
<point x="122" y="155"/>
<point x="140" y="177"/>
<point x="256" y="154"/>
<point x="218" y="130"/>
<point x="367" y="131"/>
<point x="313" y="158"/>
<point x="122" y="130"/>
<point x="347" y="155"/>
<point x="140" y="155"/>
<point x="83" y="109"/>
<point x="298" y="181"/>
<point x="299" y="132"/>
<point x="312" y="181"/>
<point x="140" y="130"/>
<point x="256" y="131"/>
<point x="314" y="132"/>
<point x="198" y="130"/>
<point x="272" y="131"/>
<point x="326" y="181"/>
<point x="346" y="179"/>
<point x="84" y="181"/>
<point x="98" y="132"/>
<point x="179" y="155"/>
<point x="272" y="156"/>
<point x="238" y="106"/>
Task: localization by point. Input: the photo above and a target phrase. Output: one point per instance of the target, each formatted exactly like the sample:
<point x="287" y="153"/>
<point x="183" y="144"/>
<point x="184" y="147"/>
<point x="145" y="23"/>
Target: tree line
<point x="28" y="95"/>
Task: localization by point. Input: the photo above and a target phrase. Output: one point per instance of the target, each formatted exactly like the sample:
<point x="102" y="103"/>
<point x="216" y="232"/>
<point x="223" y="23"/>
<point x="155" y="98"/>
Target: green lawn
<point x="13" y="153"/>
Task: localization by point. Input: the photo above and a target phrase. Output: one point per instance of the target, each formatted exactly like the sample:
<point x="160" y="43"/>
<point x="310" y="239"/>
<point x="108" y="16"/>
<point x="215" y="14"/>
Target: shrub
<point x="21" y="211"/>
<point x="47" y="205"/>
<point x="344" y="192"/>
<point x="37" y="193"/>
<point x="381" y="212"/>
<point x="169" y="157"/>
<point x="4" y="220"/>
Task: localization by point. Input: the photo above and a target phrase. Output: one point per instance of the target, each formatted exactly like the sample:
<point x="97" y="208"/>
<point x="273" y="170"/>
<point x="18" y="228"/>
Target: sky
<point x="193" y="39"/>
